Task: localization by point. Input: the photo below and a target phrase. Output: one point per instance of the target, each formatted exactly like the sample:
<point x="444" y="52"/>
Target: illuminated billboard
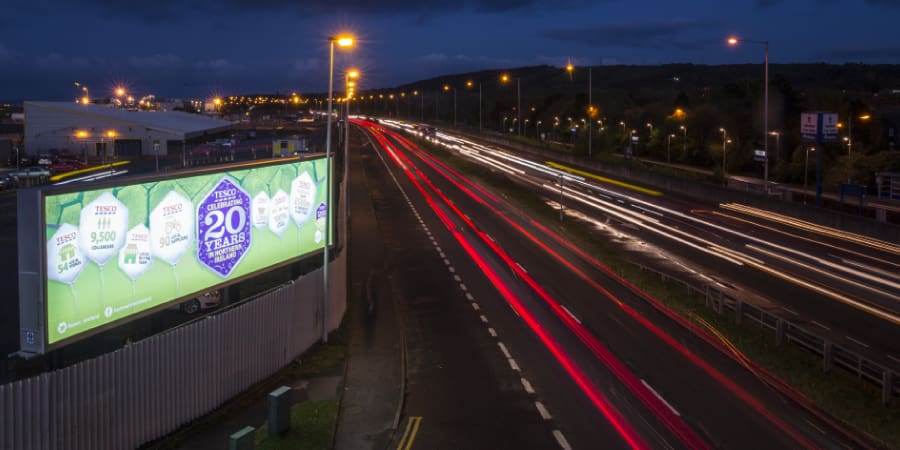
<point x="112" y="252"/>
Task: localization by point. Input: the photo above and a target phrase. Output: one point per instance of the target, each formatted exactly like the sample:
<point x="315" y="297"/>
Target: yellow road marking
<point x="409" y="435"/>
<point x="604" y="179"/>
<point x="86" y="170"/>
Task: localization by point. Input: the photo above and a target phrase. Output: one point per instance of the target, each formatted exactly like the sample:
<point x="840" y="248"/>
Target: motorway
<point x="843" y="285"/>
<point x="600" y="362"/>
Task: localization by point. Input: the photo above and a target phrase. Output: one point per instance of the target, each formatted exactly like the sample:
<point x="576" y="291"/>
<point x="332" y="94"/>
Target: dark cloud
<point x="666" y="33"/>
<point x="173" y="9"/>
<point x="871" y="55"/>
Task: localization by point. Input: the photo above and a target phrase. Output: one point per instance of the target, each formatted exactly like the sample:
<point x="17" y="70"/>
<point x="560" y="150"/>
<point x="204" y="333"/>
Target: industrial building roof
<point x="175" y="122"/>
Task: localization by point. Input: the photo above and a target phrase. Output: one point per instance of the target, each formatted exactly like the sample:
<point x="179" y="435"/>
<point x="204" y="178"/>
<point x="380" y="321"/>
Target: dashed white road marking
<point x="484" y="319"/>
<point x="647" y="385"/>
<point x="441" y="253"/>
<point x="475" y="306"/>
<point x="570" y="313"/>
<point x="439" y="250"/>
<point x="520" y="267"/>
<point x="463" y="287"/>
<point x="451" y="269"/>
<point x="513" y="365"/>
<point x="542" y="410"/>
<point x="469" y="297"/>
<point x="492" y="332"/>
<point x="446" y="261"/>
<point x="504" y="350"/>
<point x="561" y="440"/>
<point x="457" y="278"/>
<point x="527" y="385"/>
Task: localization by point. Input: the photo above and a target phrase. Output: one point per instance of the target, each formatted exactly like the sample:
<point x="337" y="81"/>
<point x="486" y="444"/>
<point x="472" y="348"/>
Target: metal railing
<point x="833" y="353"/>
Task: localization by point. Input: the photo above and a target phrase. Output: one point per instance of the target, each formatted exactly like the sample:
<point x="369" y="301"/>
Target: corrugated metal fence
<point x="151" y="388"/>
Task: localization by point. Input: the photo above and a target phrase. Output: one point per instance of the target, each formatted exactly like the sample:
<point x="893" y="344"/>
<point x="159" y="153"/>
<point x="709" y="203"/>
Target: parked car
<point x="7" y="182"/>
<point x="33" y="172"/>
<point x="208" y="300"/>
<point x="66" y="165"/>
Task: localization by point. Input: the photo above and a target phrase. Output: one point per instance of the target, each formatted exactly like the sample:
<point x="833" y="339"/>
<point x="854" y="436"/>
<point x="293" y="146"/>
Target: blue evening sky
<point x="199" y="48"/>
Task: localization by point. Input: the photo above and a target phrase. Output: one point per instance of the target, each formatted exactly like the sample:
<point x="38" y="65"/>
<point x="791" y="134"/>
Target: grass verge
<point x="311" y="427"/>
<point x="838" y="393"/>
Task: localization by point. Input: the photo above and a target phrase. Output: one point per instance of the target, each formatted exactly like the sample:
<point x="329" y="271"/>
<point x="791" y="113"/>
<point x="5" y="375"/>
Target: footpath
<point x="367" y="386"/>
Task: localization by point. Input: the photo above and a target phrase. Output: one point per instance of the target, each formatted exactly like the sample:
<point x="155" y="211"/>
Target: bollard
<point x="279" y="411"/>
<point x="245" y="439"/>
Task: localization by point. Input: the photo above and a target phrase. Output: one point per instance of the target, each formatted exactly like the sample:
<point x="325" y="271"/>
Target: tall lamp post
<point x="850" y="139"/>
<point x="505" y="78"/>
<point x="669" y="147"/>
<point x="724" y="143"/>
<point x="732" y="41"/>
<point x="447" y="89"/>
<point x="342" y="41"/>
<point x="470" y="84"/>
<point x="570" y="68"/>
<point x="806" y="171"/>
<point x="352" y="74"/>
<point x="683" y="140"/>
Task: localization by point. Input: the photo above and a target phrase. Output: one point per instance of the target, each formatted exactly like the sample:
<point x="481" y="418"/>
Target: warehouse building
<point x="105" y="133"/>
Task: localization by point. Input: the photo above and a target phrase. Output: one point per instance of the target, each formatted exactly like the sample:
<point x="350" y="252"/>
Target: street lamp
<point x="570" y="68"/>
<point x="683" y="140"/>
<point x="724" y="141"/>
<point x="342" y="41"/>
<point x="850" y="139"/>
<point x="447" y="89"/>
<point x="537" y="130"/>
<point x="468" y="85"/>
<point x="777" y="135"/>
<point x="732" y="41"/>
<point x="669" y="147"/>
<point x="504" y="124"/>
<point x="82" y="135"/>
<point x="650" y="126"/>
<point x="505" y="78"/>
<point x="806" y="171"/>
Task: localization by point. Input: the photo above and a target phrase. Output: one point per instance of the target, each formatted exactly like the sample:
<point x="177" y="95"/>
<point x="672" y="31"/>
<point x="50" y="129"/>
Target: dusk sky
<point x="199" y="48"/>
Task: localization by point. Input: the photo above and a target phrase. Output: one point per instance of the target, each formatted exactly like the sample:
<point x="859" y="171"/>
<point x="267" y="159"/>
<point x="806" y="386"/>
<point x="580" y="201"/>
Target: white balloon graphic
<point x="279" y="212"/>
<point x="135" y="257"/>
<point x="259" y="210"/>
<point x="64" y="258"/>
<point x="303" y="194"/>
<point x="102" y="228"/>
<point x="171" y="227"/>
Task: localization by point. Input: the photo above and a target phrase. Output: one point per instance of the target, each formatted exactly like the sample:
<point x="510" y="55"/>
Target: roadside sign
<point x="829" y="126"/>
<point x="759" y="155"/>
<point x="819" y="126"/>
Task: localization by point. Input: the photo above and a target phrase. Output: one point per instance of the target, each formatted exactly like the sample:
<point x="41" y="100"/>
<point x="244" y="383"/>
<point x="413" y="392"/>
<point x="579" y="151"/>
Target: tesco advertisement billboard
<point x="114" y="252"/>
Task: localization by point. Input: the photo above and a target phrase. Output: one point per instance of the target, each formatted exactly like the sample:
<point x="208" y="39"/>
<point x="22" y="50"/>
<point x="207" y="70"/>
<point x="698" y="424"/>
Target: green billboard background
<point x="97" y="277"/>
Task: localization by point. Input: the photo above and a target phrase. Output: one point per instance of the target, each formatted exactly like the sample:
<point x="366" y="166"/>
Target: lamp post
<point x="669" y="147"/>
<point x="570" y="68"/>
<point x="352" y="74"/>
<point x="806" y="171"/>
<point x="470" y="84"/>
<point x="683" y="140"/>
<point x="537" y="129"/>
<point x="342" y="41"/>
<point x="735" y="41"/>
<point x="724" y="152"/>
<point x="505" y="78"/>
<point x="850" y="140"/>
<point x="447" y="89"/>
<point x="504" y="124"/>
<point x="777" y="135"/>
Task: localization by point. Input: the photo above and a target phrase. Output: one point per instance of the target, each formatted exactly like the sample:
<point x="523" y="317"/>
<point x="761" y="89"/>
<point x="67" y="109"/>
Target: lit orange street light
<point x="733" y="41"/>
<point x="505" y="78"/>
<point x="342" y="41"/>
